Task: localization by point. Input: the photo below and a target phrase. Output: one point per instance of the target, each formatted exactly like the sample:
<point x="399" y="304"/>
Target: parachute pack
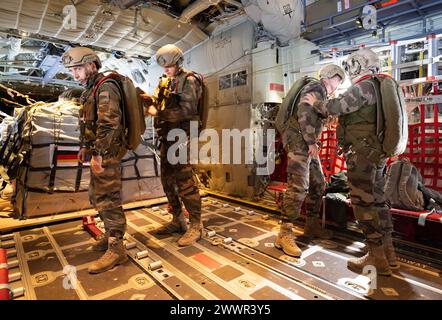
<point x="133" y="109"/>
<point x="203" y="103"/>
<point x="392" y="119"/>
<point x="289" y="104"/>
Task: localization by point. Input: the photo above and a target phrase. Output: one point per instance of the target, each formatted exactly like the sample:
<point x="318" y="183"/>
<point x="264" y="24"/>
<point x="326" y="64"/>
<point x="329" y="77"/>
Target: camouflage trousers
<point x="305" y="181"/>
<point x="105" y="196"/>
<point x="367" y="182"/>
<point x="179" y="185"/>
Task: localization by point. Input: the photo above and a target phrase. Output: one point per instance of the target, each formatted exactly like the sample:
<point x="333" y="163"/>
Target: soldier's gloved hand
<point x="309" y="98"/>
<point x="96" y="163"/>
<point x="313" y="150"/>
<point x="81" y="156"/>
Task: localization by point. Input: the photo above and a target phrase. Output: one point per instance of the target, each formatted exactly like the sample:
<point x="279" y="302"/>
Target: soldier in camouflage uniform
<point x="305" y="179"/>
<point x="101" y="139"/>
<point x="174" y="108"/>
<point x="365" y="160"/>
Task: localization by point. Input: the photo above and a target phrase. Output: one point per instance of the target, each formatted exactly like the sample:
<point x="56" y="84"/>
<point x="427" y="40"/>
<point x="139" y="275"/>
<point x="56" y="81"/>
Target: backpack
<point x="133" y="109"/>
<point x="402" y="186"/>
<point x="203" y="103"/>
<point x="392" y="119"/>
<point x="289" y="104"/>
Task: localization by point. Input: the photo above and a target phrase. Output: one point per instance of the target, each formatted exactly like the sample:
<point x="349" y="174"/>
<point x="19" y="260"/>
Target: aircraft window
<point x="225" y="82"/>
<point x="240" y="78"/>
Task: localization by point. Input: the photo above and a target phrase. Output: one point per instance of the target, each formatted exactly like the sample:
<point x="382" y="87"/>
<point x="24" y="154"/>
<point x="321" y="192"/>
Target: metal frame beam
<point x="433" y="50"/>
<point x="418" y="9"/>
<point x="396" y="52"/>
<point x="388" y="19"/>
<point x="22" y="78"/>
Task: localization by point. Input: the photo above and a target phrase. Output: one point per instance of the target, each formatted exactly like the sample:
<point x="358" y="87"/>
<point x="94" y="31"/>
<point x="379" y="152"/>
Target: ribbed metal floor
<point x="238" y="262"/>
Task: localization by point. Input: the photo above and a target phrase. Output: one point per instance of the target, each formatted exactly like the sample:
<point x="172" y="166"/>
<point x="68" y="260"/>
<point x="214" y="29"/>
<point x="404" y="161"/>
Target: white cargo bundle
<point x="6" y="127"/>
<point x="51" y="180"/>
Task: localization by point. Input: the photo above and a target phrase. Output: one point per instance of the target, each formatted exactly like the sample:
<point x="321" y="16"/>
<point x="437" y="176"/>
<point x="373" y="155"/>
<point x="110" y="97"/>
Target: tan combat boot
<point x="313" y="229"/>
<point x="387" y="242"/>
<point x="193" y="234"/>
<point x="102" y="242"/>
<point x="375" y="257"/>
<point x="178" y="224"/>
<point x="115" y="255"/>
<point x="285" y="241"/>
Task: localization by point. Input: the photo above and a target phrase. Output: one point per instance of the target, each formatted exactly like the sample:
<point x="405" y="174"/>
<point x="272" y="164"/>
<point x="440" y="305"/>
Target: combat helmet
<point x="80" y="55"/>
<point x="330" y="71"/>
<point x="169" y="55"/>
<point x="362" y="61"/>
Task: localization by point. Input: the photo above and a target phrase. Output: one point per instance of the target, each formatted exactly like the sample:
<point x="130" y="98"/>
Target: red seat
<point x="416" y="214"/>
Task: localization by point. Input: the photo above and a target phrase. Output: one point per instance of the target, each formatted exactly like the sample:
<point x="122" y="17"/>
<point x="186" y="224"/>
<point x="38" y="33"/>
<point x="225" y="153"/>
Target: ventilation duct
<point x="196" y="8"/>
<point x="281" y="18"/>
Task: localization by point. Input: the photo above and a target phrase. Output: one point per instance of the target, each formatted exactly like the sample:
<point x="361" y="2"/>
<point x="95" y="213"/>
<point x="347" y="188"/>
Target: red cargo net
<point x="331" y="162"/>
<point x="424" y="144"/>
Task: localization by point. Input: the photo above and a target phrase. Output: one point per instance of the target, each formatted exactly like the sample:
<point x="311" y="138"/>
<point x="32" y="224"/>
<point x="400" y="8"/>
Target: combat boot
<point x="313" y="229"/>
<point x="115" y="255"/>
<point x="102" y="242"/>
<point x="387" y="242"/>
<point x="178" y="224"/>
<point x="193" y="234"/>
<point x="375" y="257"/>
<point x="285" y="241"/>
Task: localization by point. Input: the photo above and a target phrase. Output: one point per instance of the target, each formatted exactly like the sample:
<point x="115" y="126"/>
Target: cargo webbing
<point x="424" y="145"/>
<point x="59" y="157"/>
<point x="330" y="160"/>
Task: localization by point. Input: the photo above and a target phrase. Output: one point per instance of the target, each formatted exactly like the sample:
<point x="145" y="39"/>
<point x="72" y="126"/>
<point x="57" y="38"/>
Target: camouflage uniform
<point x="365" y="159"/>
<point x="305" y="179"/>
<point x="177" y="112"/>
<point x="101" y="132"/>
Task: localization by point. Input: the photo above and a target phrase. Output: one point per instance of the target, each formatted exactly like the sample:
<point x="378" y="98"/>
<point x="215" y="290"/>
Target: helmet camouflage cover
<point x="362" y="61"/>
<point x="80" y="55"/>
<point x="330" y="71"/>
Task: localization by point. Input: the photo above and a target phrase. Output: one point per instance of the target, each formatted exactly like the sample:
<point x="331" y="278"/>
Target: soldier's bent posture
<point x="175" y="104"/>
<point x="305" y="179"/>
<point x="365" y="160"/>
<point x="102" y="139"/>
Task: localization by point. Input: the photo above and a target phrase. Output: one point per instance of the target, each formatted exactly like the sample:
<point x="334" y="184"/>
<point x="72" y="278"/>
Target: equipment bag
<point x="402" y="188"/>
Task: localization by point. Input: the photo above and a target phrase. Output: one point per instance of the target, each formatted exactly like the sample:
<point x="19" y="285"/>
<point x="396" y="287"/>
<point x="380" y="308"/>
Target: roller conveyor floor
<point x="236" y="261"/>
